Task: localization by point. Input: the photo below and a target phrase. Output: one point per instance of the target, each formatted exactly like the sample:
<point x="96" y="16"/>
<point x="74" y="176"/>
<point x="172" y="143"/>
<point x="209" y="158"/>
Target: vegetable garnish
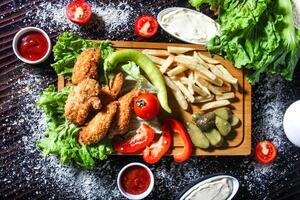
<point x="261" y="38"/>
<point x="143" y="137"/>
<point x="265" y="152"/>
<point x="153" y="153"/>
<point x="69" y="46"/>
<point x="79" y="12"/>
<point x="61" y="136"/>
<point x="146" y="106"/>
<point x="145" y="26"/>
<point x="177" y="128"/>
<point x="152" y="72"/>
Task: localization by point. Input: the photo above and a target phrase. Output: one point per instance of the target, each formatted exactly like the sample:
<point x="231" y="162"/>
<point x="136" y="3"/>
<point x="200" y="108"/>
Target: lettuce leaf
<point x="69" y="46"/>
<point x="258" y="35"/>
<point x="60" y="138"/>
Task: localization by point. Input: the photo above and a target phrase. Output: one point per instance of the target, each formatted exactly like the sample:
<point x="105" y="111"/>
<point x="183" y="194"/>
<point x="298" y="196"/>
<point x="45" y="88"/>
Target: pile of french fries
<point x="194" y="78"/>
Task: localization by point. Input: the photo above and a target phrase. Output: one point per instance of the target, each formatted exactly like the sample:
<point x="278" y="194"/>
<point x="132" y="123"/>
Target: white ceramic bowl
<point x="139" y="196"/>
<point x="17" y="38"/>
<point x="291" y="123"/>
<point x="167" y="10"/>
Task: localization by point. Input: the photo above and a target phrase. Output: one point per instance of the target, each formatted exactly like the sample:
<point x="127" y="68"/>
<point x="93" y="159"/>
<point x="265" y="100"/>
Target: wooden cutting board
<point x="239" y="142"/>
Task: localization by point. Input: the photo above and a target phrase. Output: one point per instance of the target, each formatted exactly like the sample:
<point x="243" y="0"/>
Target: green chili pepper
<point x="146" y="65"/>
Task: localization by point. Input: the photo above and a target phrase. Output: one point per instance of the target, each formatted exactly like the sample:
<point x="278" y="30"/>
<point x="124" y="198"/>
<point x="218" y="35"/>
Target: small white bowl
<point x="17" y="38"/>
<point x="139" y="196"/>
<point x="291" y="123"/>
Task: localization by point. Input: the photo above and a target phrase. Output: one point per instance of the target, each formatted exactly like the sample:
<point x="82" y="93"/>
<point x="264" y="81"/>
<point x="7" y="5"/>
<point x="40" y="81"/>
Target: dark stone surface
<point x="25" y="174"/>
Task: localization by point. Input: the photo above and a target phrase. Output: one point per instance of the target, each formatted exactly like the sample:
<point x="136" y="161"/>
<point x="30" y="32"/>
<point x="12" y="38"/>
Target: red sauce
<point x="135" y="180"/>
<point x="33" y="45"/>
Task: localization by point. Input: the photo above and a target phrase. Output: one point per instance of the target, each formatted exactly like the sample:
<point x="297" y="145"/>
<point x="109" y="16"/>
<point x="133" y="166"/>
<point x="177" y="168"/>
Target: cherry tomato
<point x="265" y="152"/>
<point x="146" y="106"/>
<point x="145" y="26"/>
<point x="134" y="143"/>
<point x="79" y="12"/>
<point x="157" y="150"/>
<point x="178" y="128"/>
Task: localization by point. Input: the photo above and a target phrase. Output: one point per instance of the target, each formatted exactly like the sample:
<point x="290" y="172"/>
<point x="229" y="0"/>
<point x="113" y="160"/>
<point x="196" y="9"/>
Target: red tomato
<point x="177" y="127"/>
<point x="136" y="142"/>
<point x="79" y="12"/>
<point x="158" y="149"/>
<point x="145" y="26"/>
<point x="265" y="152"/>
<point x="146" y="106"/>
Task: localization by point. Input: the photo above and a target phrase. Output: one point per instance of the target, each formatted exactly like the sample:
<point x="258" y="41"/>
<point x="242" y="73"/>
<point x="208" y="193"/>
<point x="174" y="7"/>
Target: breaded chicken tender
<point x="123" y="115"/>
<point x="97" y="128"/>
<point x="82" y="100"/>
<point x="86" y="66"/>
<point x="110" y="93"/>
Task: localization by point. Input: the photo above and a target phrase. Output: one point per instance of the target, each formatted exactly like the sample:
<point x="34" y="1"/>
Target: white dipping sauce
<point x="219" y="189"/>
<point x="190" y="25"/>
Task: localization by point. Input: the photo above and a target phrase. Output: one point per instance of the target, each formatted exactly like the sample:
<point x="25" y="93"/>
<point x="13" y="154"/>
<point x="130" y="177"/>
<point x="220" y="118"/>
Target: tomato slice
<point x="157" y="150"/>
<point x="178" y="128"/>
<point x="145" y="26"/>
<point x="79" y="12"/>
<point x="134" y="143"/>
<point x="265" y="152"/>
<point x="146" y="106"/>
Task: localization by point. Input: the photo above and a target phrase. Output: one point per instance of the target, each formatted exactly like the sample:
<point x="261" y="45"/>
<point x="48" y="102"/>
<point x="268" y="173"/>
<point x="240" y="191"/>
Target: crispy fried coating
<point x="86" y="66"/>
<point x="123" y="115"/>
<point x="97" y="128"/>
<point x="110" y="93"/>
<point x="82" y="100"/>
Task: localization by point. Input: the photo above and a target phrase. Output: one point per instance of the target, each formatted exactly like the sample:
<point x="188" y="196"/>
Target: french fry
<point x="177" y="70"/>
<point x="229" y="95"/>
<point x="201" y="99"/>
<point x="191" y="82"/>
<point x="179" y="50"/>
<point x="189" y="62"/>
<point x="199" y="90"/>
<point x="215" y="104"/>
<point x="210" y="87"/>
<point x="200" y="60"/>
<point x="167" y="63"/>
<point x="154" y="52"/>
<point x="177" y="93"/>
<point x="184" y="90"/>
<point x="217" y="82"/>
<point x="221" y="75"/>
<point x="156" y="60"/>
<point x="208" y="59"/>
<point x="202" y="87"/>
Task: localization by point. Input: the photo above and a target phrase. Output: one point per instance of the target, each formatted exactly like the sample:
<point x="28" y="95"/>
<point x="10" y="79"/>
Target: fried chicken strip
<point x="122" y="118"/>
<point x="82" y="100"/>
<point x="110" y="93"/>
<point x="97" y="128"/>
<point x="86" y="66"/>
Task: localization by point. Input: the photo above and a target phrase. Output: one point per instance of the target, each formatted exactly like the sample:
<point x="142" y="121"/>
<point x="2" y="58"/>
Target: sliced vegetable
<point x="223" y="126"/>
<point x="136" y="142"/>
<point x="153" y="73"/>
<point x="224" y="113"/>
<point x="214" y="137"/>
<point x="265" y="152"/>
<point x="79" y="12"/>
<point x="206" y="122"/>
<point x="197" y="137"/>
<point x="177" y="128"/>
<point x="145" y="26"/>
<point x="234" y="120"/>
<point x="153" y="153"/>
<point x="146" y="106"/>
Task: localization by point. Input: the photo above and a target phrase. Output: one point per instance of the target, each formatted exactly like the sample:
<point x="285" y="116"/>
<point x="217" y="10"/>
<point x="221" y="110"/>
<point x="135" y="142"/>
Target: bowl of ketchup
<point x="32" y="45"/>
<point x="135" y="181"/>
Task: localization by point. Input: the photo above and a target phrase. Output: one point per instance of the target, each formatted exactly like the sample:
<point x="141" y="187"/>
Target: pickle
<point x="197" y="137"/>
<point x="214" y="137"/>
<point x="206" y="122"/>
<point x="234" y="120"/>
<point x="224" y="113"/>
<point x="223" y="126"/>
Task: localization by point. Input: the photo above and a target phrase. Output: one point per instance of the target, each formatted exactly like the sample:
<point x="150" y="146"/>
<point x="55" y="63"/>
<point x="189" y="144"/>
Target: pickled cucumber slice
<point x="197" y="137"/>
<point x="223" y="126"/>
<point x="234" y="120"/>
<point x="214" y="137"/>
<point x="224" y="113"/>
<point x="206" y="122"/>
